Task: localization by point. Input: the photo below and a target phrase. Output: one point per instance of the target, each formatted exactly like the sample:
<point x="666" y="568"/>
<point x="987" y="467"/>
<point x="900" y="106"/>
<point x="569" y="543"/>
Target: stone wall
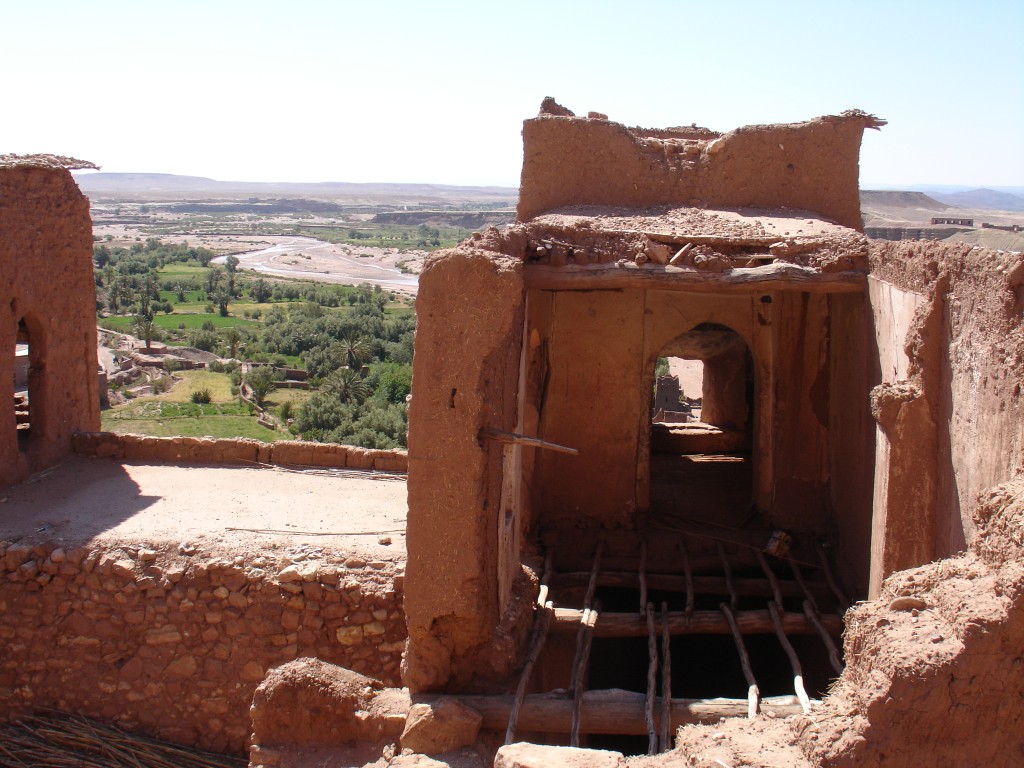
<point x="209" y="450"/>
<point x="174" y="643"/>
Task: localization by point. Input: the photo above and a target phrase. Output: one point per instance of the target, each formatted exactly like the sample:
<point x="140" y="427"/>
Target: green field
<point x="126" y="324"/>
<point x="205" y="426"/>
<point x="174" y="413"/>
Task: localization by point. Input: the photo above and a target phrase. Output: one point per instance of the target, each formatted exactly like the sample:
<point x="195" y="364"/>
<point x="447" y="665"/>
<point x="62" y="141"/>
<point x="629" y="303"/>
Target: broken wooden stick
<point x="502" y="436"/>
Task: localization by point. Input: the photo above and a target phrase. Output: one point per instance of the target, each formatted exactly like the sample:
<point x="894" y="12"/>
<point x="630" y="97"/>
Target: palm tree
<point x="262" y="380"/>
<point x="347" y="385"/>
<point x="354" y="350"/>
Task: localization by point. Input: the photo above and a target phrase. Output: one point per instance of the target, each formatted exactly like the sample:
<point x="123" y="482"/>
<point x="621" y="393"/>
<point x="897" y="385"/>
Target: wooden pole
<point x="542" y="623"/>
<point x="727" y="570"/>
<point x="580" y="673"/>
<point x="700" y="622"/>
<point x="816" y="621"/>
<point x="688" y="574"/>
<point x="832" y="583"/>
<point x="606" y="711"/>
<point x="666" y="683"/>
<point x="753" y="693"/>
<point x="794" y="661"/>
<point x="586" y="624"/>
<point x="642" y="576"/>
<point x="770" y="575"/>
<point x="501" y="436"/>
<point x="795" y="568"/>
<point x="652" y="682"/>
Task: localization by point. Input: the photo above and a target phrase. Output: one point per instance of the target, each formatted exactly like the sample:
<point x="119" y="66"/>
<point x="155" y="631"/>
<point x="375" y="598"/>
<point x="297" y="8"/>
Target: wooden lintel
<point x="770" y="277"/>
<point x="607" y="711"/>
<point x="699" y="622"/>
<point x="501" y="436"/>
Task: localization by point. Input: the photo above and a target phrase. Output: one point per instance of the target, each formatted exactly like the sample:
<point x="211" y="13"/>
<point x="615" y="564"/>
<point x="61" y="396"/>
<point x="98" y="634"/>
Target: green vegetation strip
<point x="60" y="740"/>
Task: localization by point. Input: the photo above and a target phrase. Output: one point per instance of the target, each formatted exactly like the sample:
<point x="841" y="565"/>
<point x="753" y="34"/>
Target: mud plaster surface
<point x="105" y="502"/>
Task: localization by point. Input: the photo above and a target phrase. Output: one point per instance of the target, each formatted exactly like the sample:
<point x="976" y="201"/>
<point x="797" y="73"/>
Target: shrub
<point x="287" y="410"/>
<point x="201" y="396"/>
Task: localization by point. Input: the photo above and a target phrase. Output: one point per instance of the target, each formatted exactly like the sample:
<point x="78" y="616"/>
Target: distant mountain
<point x="166" y="186"/>
<point x="984" y="199"/>
<point x="884" y="198"/>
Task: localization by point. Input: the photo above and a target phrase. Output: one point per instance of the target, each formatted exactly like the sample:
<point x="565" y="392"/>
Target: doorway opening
<point x="700" y="454"/>
<point x="22" y="377"/>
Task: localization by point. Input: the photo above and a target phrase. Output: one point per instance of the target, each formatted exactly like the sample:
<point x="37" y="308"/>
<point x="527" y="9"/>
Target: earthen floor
<point x="219" y="509"/>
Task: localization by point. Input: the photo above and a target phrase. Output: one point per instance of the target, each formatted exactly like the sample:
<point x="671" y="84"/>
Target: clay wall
<point x="578" y="161"/>
<point x="46" y="282"/>
<point x="209" y="450"/>
<point x="600" y="348"/>
<point x="851" y="434"/>
<point x="951" y="423"/>
<point x="175" y="645"/>
<point x="934" y="674"/>
<point x="468" y="341"/>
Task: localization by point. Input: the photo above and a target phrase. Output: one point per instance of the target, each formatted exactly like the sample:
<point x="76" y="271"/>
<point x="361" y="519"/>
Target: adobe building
<point x="857" y="399"/>
<point x="825" y="570"/>
<point x="48" y="319"/>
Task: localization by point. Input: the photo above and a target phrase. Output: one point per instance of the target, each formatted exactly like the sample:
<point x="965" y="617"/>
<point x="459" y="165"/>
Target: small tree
<point x="262" y="380"/>
<point x="233" y="337"/>
<point x="260" y="291"/>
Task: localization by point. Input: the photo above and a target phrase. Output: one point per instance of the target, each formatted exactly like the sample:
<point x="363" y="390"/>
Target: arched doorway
<point x="28" y="390"/>
<point x="700" y="452"/>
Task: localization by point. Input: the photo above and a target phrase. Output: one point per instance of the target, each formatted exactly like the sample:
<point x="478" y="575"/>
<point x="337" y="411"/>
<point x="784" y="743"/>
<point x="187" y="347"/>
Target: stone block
<point x="441" y="726"/>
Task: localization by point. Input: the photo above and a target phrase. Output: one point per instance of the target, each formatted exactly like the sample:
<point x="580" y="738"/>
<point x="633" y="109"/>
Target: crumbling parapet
<point x="813" y="165"/>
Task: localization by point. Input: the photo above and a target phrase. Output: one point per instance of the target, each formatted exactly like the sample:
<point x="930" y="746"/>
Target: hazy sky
<point x="437" y="91"/>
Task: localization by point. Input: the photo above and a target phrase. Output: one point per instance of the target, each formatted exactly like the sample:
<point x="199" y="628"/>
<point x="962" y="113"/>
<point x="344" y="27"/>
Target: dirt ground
<point x="266" y="511"/>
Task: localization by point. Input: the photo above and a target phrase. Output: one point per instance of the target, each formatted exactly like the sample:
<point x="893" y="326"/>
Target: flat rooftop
<point x="216" y="509"/>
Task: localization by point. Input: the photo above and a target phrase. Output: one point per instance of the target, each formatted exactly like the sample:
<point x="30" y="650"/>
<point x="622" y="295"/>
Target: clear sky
<point x="436" y="91"/>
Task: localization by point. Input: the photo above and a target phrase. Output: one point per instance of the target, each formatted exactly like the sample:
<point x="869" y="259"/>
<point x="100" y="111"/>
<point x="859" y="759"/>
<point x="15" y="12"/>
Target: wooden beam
<point x="700" y="622"/>
<point x="607" y="711"/>
<point x="770" y="277"/>
<point x="702" y="585"/>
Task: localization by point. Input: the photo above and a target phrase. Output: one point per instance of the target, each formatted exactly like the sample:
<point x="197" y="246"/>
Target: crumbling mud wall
<point x="46" y="290"/>
<point x="934" y="667"/>
<point x="175" y="644"/>
<point x="814" y="165"/>
<point x="949" y="408"/>
<point x="468" y="339"/>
